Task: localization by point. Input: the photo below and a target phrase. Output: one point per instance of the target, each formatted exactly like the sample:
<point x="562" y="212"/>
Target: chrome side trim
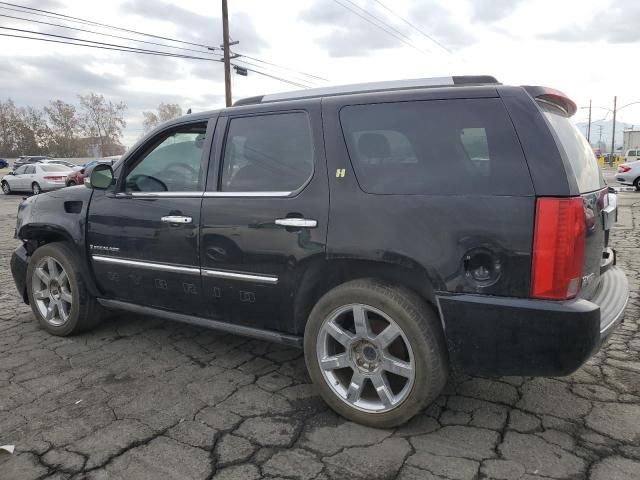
<point x="271" y="336"/>
<point x="247" y="194"/>
<point x="162" y="194"/>
<point x="249" y="277"/>
<point x="149" y="265"/>
<point x="272" y="280"/>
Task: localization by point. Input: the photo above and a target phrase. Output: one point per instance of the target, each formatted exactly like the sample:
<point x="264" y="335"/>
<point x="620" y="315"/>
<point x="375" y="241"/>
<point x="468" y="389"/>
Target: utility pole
<point x="589" y="126"/>
<point x="613" y="135"/>
<point x="227" y="56"/>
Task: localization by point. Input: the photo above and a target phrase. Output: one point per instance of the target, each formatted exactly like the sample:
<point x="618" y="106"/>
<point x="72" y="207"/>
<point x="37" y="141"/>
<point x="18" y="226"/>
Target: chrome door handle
<point x="297" y="222"/>
<point x="176" y="219"/>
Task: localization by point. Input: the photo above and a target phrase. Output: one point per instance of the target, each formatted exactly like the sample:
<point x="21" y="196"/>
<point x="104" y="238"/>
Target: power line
<point x="413" y="26"/>
<point x="107" y="34"/>
<point x="118" y="49"/>
<point x="355" y="12"/>
<point x="136" y="49"/>
<point x="282" y="67"/>
<point x="54" y="15"/>
<point x="122" y="48"/>
<point x="91" y="22"/>
<point x="273" y="76"/>
<point x="239" y="59"/>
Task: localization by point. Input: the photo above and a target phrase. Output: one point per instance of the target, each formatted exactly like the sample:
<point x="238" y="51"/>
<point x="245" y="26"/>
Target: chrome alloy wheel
<point x="51" y="291"/>
<point x="365" y="358"/>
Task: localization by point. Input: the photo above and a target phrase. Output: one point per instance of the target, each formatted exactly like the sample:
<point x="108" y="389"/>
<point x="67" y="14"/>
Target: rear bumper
<point x="518" y="336"/>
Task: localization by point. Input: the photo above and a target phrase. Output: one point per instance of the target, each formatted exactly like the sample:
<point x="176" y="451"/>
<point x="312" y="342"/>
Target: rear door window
<point x="632" y="153"/>
<point x="578" y="151"/>
<point x="462" y="146"/>
<point x="267" y="153"/>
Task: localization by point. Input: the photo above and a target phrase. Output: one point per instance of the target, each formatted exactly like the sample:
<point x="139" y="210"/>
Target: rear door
<point x="264" y="213"/>
<point x="143" y="235"/>
<point x="19" y="178"/>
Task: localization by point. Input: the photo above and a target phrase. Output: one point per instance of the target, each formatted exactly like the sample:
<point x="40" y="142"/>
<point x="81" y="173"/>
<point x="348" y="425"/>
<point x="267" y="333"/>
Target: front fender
<point x="60" y="215"/>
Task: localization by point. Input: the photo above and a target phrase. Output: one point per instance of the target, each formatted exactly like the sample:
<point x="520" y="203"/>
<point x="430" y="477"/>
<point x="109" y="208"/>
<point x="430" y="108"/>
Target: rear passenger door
<point x="264" y="213"/>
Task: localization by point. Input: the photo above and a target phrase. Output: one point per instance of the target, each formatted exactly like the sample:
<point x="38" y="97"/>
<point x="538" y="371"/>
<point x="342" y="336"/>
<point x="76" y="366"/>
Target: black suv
<point x="393" y="230"/>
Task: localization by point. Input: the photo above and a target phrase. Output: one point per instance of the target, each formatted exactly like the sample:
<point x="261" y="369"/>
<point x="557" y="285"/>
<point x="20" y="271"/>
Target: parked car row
<point x="45" y="174"/>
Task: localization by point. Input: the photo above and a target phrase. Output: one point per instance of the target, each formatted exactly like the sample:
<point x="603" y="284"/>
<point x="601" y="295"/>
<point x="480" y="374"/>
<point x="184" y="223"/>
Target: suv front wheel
<point x="57" y="293"/>
<point x="376" y="352"/>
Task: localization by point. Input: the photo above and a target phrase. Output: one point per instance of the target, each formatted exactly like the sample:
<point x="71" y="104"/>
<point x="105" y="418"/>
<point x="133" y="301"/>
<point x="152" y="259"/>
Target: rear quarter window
<point x="583" y="161"/>
<point x="446" y="147"/>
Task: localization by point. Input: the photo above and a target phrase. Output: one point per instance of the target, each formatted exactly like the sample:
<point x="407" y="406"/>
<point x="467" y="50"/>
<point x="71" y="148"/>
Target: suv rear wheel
<point x="376" y="352"/>
<point x="57" y="293"/>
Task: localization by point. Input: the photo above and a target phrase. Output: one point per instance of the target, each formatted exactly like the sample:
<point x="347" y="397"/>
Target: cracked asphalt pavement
<point x="141" y="398"/>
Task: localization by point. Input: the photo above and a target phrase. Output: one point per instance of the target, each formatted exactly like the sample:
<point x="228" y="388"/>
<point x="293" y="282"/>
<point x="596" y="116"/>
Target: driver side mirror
<point x="101" y="177"/>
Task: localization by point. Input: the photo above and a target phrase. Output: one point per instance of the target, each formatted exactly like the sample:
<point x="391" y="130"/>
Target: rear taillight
<point x="558" y="248"/>
<point x="51" y="177"/>
<point x="623" y="168"/>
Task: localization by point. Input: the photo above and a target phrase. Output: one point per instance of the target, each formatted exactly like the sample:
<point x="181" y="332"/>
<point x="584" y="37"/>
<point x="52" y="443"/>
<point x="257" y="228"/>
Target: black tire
<point x="6" y="188"/>
<point x="35" y="188"/>
<point x="85" y="311"/>
<point x="71" y="183"/>
<point x="422" y="329"/>
<point x="636" y="183"/>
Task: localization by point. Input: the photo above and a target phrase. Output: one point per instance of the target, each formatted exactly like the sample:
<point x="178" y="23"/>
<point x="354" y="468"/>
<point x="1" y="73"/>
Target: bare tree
<point x="9" y="128"/>
<point x="33" y="132"/>
<point x="166" y="111"/>
<point x="102" y="119"/>
<point x="65" y="126"/>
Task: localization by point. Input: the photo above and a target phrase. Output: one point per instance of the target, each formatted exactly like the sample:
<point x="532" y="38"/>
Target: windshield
<point x="579" y="153"/>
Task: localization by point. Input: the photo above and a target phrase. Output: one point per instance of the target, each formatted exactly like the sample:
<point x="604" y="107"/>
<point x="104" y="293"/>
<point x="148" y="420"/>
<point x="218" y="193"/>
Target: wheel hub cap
<point x="51" y="291"/>
<point x="365" y="358"/>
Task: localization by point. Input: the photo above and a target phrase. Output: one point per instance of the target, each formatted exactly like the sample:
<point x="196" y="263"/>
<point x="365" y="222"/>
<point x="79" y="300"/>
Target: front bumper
<point x="519" y="336"/>
<point x="19" y="263"/>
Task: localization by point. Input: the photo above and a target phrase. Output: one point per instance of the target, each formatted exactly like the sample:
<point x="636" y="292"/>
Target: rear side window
<point x="435" y="147"/>
<point x="632" y="153"/>
<point x="579" y="153"/>
<point x="267" y="153"/>
<point x="55" y="168"/>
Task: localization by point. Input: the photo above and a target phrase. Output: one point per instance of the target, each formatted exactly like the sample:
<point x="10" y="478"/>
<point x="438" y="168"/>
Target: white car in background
<point x="35" y="178"/>
<point x="56" y="161"/>
<point x="629" y="174"/>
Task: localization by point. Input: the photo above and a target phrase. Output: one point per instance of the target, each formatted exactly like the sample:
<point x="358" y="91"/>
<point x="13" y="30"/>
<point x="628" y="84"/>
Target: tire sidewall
<point x="59" y="253"/>
<point x="420" y="392"/>
<point x="33" y="188"/>
<point x="6" y="188"/>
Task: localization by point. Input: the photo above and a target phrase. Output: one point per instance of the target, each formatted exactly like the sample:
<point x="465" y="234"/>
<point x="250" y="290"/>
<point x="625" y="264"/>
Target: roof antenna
<point x="188" y="111"/>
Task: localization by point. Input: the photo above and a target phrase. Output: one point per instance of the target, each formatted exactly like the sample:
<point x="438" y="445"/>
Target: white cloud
<point x="518" y="42"/>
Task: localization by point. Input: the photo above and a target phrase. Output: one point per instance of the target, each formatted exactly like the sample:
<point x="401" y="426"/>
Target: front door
<point x="143" y="235"/>
<point x="20" y="178"/>
<point x="264" y="214"/>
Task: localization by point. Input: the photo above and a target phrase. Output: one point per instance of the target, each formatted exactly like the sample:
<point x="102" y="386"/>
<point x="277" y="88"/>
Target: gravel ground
<point x="142" y="398"/>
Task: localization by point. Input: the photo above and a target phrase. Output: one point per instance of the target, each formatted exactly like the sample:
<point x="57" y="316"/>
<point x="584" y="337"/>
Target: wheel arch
<point x="322" y="275"/>
<point x="36" y="235"/>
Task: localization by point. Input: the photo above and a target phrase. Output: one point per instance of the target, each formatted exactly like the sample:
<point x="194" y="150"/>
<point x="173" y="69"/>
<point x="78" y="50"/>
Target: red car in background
<point x="77" y="177"/>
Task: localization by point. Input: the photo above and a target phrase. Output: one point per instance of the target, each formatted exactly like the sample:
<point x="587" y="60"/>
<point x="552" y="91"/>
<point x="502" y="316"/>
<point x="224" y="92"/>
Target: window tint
<point x="579" y="153"/>
<point x="435" y="147"/>
<point x="30" y="170"/>
<point x="267" y="153"/>
<point x="20" y="170"/>
<point x="174" y="164"/>
<point x="632" y="153"/>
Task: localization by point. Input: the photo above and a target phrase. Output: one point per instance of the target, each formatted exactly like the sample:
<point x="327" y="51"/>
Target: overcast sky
<point x="587" y="48"/>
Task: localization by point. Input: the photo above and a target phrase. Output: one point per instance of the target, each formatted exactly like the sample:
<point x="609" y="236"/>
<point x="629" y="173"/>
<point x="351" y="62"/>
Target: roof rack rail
<point x="371" y="87"/>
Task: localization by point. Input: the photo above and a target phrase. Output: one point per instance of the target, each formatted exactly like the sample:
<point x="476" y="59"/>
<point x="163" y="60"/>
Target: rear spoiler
<point x="555" y="97"/>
